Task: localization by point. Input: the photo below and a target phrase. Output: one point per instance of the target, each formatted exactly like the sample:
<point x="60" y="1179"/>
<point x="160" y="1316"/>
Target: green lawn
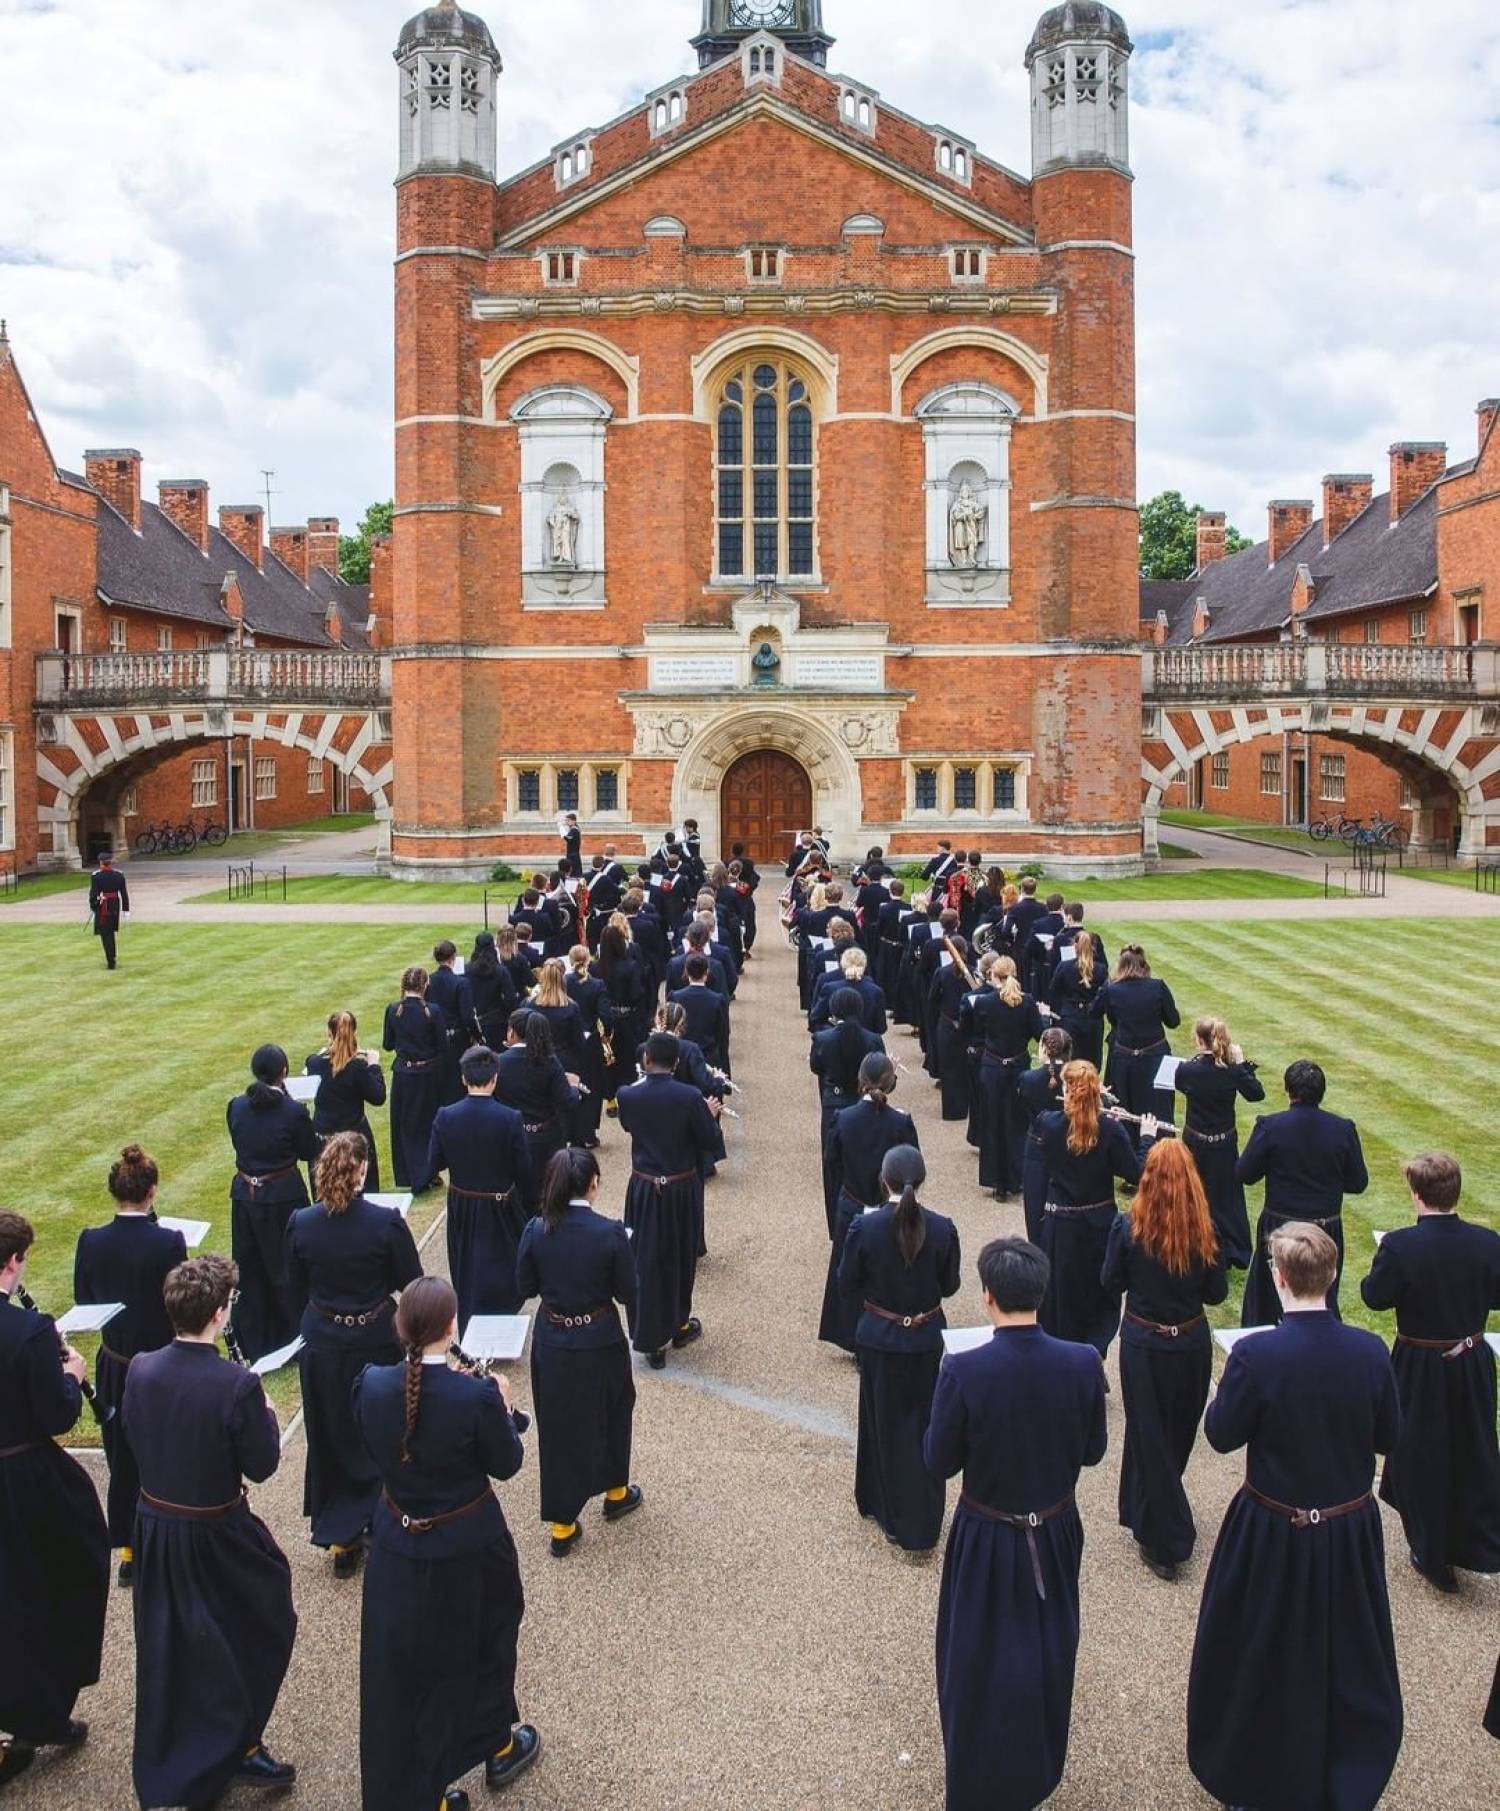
<point x="1176" y="852"/>
<point x="247" y="843"/>
<point x="1207" y="883"/>
<point x="366" y="889"/>
<point x="41" y="886"/>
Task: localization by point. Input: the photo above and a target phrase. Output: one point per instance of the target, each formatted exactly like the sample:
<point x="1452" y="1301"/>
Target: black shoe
<point x="261" y="1768"/>
<point x="454" y="1800"/>
<point x="562" y="1548"/>
<point x="526" y="1745"/>
<point x="658" y="1360"/>
<point x="73" y="1735"/>
<point x="687" y="1335"/>
<point x="1442" y="1580"/>
<point x="1164" y="1569"/>
<point x="346" y="1564"/>
<point x="15" y="1758"/>
<point x="626" y="1505"/>
<point x="125" y="1575"/>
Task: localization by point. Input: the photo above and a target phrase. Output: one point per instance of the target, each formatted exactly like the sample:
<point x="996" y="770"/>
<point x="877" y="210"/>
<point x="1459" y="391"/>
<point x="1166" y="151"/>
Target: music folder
<point x="1227" y="1338"/>
<point x="273" y="1361"/>
<point x="1166" y="1074"/>
<point x="93" y="1317"/>
<point x="966" y="1339"/>
<point x="398" y="1203"/>
<point x="194" y="1232"/>
<point x="303" y="1087"/>
<point x="501" y="1337"/>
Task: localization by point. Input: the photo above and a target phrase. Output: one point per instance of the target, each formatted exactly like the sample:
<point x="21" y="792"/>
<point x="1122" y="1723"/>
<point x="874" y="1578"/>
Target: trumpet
<point x="101" y="1414"/>
<point x="484" y="1367"/>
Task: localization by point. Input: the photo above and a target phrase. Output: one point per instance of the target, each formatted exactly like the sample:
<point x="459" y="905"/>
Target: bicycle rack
<point x="1370" y="873"/>
<point x="10" y="882"/>
<point x="243" y="881"/>
<point x="1487" y="877"/>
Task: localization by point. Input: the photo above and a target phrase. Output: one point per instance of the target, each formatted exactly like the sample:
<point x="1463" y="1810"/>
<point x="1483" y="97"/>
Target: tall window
<point x="4" y="567"/>
<point x="1418" y="627"/>
<point x="1221" y="773"/>
<point x="205" y="782"/>
<point x="529" y="789"/>
<point x="567" y="788"/>
<point x="317" y="772"/>
<point x="1331" y="778"/>
<point x="1005" y="789"/>
<point x="130" y="802"/>
<point x="1270" y="775"/>
<point x="163" y="638"/>
<point x="965" y="788"/>
<point x="765" y="474"/>
<point x="265" y="776"/>
<point x="926" y="789"/>
<point x="606" y="789"/>
<point x="117" y="635"/>
<point x="7" y="808"/>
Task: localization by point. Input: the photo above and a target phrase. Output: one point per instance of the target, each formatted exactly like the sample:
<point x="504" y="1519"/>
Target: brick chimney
<point x="115" y="472"/>
<point x="232" y="599"/>
<point x="1416" y="465"/>
<point x="185" y="502"/>
<point x="382" y="582"/>
<point x="1213" y="538"/>
<point x="241" y="524"/>
<point x="1290" y="519"/>
<point x="323" y="543"/>
<point x="1345" y="496"/>
<point x="290" y="547"/>
<point x="1487" y="411"/>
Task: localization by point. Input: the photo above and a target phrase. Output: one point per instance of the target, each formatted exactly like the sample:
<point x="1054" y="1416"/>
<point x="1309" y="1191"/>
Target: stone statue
<point x="562" y="532"/>
<point x="766" y="663"/>
<point x="968" y="527"/>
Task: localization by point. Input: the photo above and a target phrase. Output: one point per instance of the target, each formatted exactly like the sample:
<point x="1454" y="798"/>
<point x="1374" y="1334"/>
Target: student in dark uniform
<point x="54" y="1546"/>
<point x="952" y="984"/>
<point x="349" y="1084"/>
<point x="126" y="1261"/>
<point x="889" y="936"/>
<point x="712" y="1084"/>
<point x="1141" y="1011"/>
<point x="589" y="994"/>
<point x="1212" y="1083"/>
<point x="944" y="863"/>
<point x="442" y="1596"/>
<point x="671" y="1130"/>
<point x="1309" y="1160"/>
<point x="481" y="1145"/>
<point x="1078" y="980"/>
<point x="1020" y="1417"/>
<point x="1294" y="1703"/>
<point x="899" y="1263"/>
<point x="273" y="1137"/>
<point x="707" y="1012"/>
<point x="565" y="1022"/>
<point x="109" y="903"/>
<point x="580" y="1264"/>
<point x="1040" y="1091"/>
<point x="346" y="1261"/>
<point x="1164" y="1260"/>
<point x="1022" y="916"/>
<point x="1038" y="955"/>
<point x="416" y="1032"/>
<point x="448" y="991"/>
<point x="572" y="842"/>
<point x="491" y="989"/>
<point x="1442" y="1276"/>
<point x="861" y="1138"/>
<point x="745" y="882"/>
<point x="1084" y="1153"/>
<point x="632" y="992"/>
<point x="853" y="971"/>
<point x="210" y="1580"/>
<point x="1003" y="1022"/>
<point x="838" y="1051"/>
<point x="530" y="1079"/>
<point x="929" y="964"/>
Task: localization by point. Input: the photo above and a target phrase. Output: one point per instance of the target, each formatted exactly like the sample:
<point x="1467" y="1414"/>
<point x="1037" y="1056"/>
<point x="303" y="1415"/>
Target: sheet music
<point x="458" y="965"/>
<point x="1227" y="1338"/>
<point x="1046" y="939"/>
<point x="92" y="1318"/>
<point x="398" y="1203"/>
<point x="966" y="1339"/>
<point x="945" y="959"/>
<point x="1068" y="953"/>
<point x="1166" y="1074"/>
<point x="273" y="1361"/>
<point x="194" y="1232"/>
<point x="1378" y="1237"/>
<point x="304" y="1087"/>
<point x="501" y="1337"/>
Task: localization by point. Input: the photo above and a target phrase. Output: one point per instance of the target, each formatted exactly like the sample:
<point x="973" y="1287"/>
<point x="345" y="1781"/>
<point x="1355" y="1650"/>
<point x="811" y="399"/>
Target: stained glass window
<point x="765" y="474"/>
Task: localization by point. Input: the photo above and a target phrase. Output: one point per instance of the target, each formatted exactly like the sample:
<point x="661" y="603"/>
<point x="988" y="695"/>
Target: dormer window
<point x="560" y="269"/>
<point x="665" y="110"/>
<point x="572" y="162"/>
<point x="857" y="109"/>
<point x="967" y="264"/>
<point x="955" y="159"/>
<point x="763" y="263"/>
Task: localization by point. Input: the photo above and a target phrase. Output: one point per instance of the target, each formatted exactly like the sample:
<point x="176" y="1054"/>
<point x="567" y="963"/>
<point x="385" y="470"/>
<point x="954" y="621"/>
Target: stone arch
<point x="719" y="743"/>
<point x="131" y="739"/>
<point x="1373" y="727"/>
<point x="494" y="370"/>
<point x="708" y="365"/>
<point x="985" y="339"/>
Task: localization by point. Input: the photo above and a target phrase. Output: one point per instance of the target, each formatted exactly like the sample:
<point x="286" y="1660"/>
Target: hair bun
<point x="133" y="1155"/>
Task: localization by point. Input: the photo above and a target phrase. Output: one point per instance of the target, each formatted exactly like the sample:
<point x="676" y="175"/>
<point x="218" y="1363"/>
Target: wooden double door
<point x="766" y="800"/>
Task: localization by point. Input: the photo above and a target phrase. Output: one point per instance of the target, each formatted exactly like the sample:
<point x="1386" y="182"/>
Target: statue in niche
<point x="766" y="663"/>
<point x="968" y="528"/>
<point x="562" y="532"/>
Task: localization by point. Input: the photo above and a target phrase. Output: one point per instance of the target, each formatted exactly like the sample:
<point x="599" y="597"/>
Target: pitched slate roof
<point x="1371" y="563"/>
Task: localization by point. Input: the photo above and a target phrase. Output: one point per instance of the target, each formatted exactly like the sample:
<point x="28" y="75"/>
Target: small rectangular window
<point x="1409" y="798"/>
<point x="130" y="802"/>
<point x="163" y="638"/>
<point x="265" y="776"/>
<point x="1221" y="773"/>
<point x="968" y="265"/>
<point x="1331" y="778"/>
<point x="205" y="776"/>
<point x="567" y="788"/>
<point x="926" y="789"/>
<point x="529" y="789"/>
<point x="1270" y="775"/>
<point x="606" y="789"/>
<point x="117" y="635"/>
<point x="316" y="775"/>
<point x="764" y="263"/>
<point x="1372" y="630"/>
<point x="1418" y="627"/>
<point x="1005" y="789"/>
<point x="562" y="267"/>
<point x="965" y="788"/>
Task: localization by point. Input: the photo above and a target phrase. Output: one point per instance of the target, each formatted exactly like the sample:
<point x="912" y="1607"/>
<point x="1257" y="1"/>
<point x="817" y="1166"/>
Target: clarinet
<point x="101" y="1414"/>
<point x="482" y="1367"/>
<point x="235" y="1350"/>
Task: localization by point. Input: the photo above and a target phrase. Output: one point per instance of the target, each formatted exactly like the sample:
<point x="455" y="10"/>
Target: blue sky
<point x="196" y="217"/>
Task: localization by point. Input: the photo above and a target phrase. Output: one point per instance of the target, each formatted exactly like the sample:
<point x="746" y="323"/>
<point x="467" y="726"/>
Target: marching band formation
<point x="611" y="992"/>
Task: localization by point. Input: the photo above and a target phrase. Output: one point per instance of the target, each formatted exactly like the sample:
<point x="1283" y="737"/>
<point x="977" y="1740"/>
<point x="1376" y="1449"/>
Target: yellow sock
<point x="617" y="1496"/>
<point x="127" y="1555"/>
<point x="561" y="1531"/>
<point x="501" y="1753"/>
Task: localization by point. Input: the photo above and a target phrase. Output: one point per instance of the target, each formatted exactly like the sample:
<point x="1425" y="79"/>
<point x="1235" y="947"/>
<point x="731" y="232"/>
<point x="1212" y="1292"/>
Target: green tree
<point x="354" y="549"/>
<point x="1169" y="537"/>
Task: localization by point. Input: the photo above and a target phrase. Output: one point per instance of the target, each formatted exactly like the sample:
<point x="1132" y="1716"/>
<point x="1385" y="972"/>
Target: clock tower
<point x="727" y="23"/>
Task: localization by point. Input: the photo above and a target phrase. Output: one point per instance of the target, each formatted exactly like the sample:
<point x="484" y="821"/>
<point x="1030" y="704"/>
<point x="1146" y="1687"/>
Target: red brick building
<point x="1409" y="567"/>
<point x="103" y="589"/>
<point x="765" y="456"/>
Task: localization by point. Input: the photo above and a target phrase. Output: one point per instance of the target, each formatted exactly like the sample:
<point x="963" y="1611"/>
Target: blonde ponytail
<point x="1213" y="1034"/>
<point x="1003" y="980"/>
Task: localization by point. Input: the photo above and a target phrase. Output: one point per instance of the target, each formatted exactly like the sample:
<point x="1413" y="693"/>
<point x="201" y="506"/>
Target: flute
<point x="101" y="1414"/>
<point x="1163" y="1130"/>
<point x="482" y="1367"/>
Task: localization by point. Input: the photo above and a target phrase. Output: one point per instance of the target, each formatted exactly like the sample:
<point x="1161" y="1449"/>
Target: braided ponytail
<point x="424" y="1315"/>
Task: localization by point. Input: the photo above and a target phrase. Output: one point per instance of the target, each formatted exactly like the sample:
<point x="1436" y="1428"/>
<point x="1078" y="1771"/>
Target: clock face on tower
<point x="763" y="13"/>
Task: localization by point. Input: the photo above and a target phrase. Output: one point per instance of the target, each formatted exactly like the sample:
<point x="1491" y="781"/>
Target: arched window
<point x="764" y="456"/>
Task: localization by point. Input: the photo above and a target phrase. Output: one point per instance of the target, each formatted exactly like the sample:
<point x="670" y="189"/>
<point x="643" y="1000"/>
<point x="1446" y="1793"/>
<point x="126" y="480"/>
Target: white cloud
<point x="196" y="221"/>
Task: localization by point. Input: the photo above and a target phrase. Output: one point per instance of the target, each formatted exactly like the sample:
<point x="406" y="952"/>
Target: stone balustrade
<point x="1252" y="672"/>
<point x="161" y="681"/>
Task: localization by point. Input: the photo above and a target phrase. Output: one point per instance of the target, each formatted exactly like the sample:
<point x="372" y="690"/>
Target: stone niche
<point x="966" y="431"/>
<point x="562" y="429"/>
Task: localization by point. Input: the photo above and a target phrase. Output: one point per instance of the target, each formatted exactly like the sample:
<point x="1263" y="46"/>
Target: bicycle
<point x="214" y="835"/>
<point x="152" y="840"/>
<point x="1343" y="827"/>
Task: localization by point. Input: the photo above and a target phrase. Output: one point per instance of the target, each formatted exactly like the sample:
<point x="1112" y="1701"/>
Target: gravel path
<point x="746" y="1643"/>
